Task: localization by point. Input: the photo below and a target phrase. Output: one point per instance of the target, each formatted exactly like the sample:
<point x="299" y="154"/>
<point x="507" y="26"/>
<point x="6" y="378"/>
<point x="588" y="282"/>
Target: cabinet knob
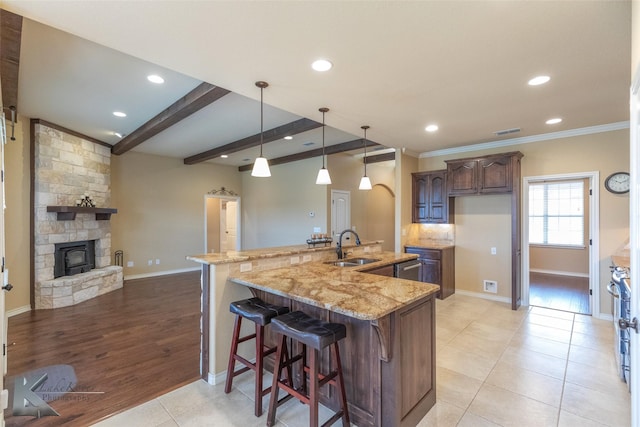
<point x="7" y="287"/>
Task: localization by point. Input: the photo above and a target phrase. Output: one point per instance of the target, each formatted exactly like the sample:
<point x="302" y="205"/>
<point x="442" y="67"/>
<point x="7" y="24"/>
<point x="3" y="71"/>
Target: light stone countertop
<point x="345" y="290"/>
<point x="241" y="256"/>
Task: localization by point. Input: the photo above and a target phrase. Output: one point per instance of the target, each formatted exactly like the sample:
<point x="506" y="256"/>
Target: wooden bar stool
<point x="261" y="313"/>
<point x="316" y="334"/>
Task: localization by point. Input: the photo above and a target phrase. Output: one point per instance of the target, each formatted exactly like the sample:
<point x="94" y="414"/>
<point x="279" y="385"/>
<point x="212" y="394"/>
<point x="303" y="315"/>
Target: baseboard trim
<point x="218" y="378"/>
<point x="558" y="273"/>
<point x="160" y="273"/>
<point x="19" y="310"/>
<point x="484" y="296"/>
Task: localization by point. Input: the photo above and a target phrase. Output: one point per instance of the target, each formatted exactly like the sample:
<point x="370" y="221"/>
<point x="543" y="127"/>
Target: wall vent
<point x="506" y="131"/>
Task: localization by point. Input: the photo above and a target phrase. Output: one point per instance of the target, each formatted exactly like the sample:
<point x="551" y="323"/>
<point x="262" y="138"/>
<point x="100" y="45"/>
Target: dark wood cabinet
<point x="430" y="202"/>
<point x="386" y="270"/>
<point x="493" y="174"/>
<point x="438" y="267"/>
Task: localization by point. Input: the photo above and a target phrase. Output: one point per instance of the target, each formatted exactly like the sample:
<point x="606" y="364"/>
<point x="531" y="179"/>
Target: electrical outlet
<point x="295" y="260"/>
<point x="150" y="262"/>
<point x="129" y="263"/>
<point x="490" y="286"/>
<point x="306" y="258"/>
<point x="317" y="230"/>
<point x="493" y="251"/>
<point x="157" y="261"/>
<point x="245" y="266"/>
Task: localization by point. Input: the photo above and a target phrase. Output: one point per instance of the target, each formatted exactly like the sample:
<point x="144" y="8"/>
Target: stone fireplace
<point x="66" y="168"/>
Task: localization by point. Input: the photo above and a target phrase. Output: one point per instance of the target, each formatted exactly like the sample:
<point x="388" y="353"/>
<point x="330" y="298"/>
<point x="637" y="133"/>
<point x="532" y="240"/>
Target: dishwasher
<point x="409" y="270"/>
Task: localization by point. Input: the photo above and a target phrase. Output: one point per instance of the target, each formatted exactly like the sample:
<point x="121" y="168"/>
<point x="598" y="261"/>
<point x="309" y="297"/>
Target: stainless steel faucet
<point x="339" y="248"/>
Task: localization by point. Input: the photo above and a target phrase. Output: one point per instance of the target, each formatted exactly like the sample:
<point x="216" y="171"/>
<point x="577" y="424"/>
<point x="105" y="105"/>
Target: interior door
<point x="340" y="212"/>
<point x="634" y="216"/>
<point x="231" y="225"/>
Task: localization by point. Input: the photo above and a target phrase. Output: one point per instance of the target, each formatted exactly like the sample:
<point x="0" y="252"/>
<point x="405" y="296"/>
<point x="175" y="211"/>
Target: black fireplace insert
<point x="74" y="257"/>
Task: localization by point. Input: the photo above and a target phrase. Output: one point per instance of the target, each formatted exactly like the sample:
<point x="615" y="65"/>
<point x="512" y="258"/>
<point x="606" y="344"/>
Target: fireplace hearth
<point x="74" y="257"/>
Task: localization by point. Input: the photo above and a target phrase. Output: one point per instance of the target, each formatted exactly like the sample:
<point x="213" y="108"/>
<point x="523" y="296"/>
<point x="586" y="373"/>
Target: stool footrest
<point x="246" y="338"/>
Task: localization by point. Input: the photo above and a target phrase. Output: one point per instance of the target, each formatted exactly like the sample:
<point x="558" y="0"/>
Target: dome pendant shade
<point x="261" y="165"/>
<point x="261" y="168"/>
<point x="323" y="177"/>
<point x="365" y="183"/>
<point x="323" y="174"/>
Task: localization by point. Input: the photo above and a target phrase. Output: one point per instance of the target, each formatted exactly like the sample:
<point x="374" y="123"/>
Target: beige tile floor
<point x="495" y="367"/>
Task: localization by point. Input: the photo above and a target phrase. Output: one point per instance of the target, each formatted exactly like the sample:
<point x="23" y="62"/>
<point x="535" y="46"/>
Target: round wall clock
<point x="618" y="182"/>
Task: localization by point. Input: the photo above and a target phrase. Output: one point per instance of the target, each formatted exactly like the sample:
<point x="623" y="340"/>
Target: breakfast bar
<point x="389" y="353"/>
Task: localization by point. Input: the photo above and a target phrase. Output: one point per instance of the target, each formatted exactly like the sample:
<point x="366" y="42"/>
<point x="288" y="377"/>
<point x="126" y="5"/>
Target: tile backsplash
<point x="426" y="234"/>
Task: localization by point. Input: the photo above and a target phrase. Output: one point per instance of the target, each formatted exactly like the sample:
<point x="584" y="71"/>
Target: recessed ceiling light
<point x="431" y="128"/>
<point x="154" y="78"/>
<point x="224" y="156"/>
<point x="321" y="65"/>
<point x="553" y="121"/>
<point x="288" y="138"/>
<point x="119" y="114"/>
<point x="539" y="80"/>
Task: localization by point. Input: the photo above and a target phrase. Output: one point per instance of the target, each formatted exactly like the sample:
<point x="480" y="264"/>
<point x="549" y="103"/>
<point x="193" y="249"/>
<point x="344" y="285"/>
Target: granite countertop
<point x="345" y="290"/>
<point x="431" y="245"/>
<point x="622" y="256"/>
<point x="240" y="256"/>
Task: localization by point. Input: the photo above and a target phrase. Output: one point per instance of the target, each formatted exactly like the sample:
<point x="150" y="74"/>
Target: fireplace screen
<point x="74" y="257"/>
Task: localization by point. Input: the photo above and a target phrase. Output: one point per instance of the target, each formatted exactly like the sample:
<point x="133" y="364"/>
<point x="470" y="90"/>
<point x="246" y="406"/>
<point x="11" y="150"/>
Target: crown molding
<point x="528" y="139"/>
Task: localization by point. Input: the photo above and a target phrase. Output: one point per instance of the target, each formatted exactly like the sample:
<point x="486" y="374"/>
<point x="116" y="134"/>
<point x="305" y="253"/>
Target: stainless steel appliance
<point x="408" y="270"/>
<point x="621" y="291"/>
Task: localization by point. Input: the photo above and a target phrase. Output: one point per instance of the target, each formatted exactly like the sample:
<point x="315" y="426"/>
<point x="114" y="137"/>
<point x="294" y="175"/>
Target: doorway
<point x="222" y="223"/>
<point x="560" y="276"/>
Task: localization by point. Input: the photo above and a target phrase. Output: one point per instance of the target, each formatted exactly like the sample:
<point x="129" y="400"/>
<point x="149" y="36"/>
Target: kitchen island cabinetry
<point x="430" y="203"/>
<point x="483" y="175"/>
<point x="388" y="356"/>
<point x="438" y="267"/>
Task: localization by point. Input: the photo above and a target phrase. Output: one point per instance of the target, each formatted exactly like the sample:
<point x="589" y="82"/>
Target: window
<point x="556" y="213"/>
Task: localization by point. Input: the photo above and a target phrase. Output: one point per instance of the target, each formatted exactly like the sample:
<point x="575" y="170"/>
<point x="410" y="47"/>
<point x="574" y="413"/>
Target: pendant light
<point x="323" y="174"/>
<point x="365" y="182"/>
<point x="261" y="165"/>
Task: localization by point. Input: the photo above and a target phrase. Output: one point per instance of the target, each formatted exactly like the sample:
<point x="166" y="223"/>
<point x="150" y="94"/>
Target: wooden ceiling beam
<point x="377" y="158"/>
<point x="293" y="128"/>
<point x="200" y="97"/>
<point x="316" y="152"/>
<point x="10" y="40"/>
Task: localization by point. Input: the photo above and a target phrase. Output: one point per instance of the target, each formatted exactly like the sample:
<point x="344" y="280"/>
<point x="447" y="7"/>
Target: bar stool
<point x="261" y="313"/>
<point x="318" y="335"/>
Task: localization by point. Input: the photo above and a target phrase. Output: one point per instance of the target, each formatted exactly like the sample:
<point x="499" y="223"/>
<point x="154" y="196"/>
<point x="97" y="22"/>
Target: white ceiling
<point x="398" y="66"/>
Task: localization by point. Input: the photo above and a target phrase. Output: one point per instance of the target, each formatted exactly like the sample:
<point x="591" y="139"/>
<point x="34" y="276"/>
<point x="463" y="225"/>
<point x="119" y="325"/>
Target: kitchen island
<point x="388" y="356"/>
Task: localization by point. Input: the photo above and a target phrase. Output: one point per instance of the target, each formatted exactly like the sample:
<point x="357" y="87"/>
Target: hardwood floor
<point x="126" y="347"/>
<point x="565" y="293"/>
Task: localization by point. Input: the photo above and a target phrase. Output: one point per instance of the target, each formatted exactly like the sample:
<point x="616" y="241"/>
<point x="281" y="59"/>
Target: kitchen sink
<point x="352" y="262"/>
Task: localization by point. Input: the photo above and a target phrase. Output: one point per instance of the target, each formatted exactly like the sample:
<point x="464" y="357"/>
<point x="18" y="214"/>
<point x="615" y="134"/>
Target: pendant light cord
<point x="365" y="149"/>
<point x="261" y="118"/>
<point x="323" y="125"/>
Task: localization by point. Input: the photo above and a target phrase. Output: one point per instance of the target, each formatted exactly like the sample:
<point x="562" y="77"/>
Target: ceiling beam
<point x="377" y="158"/>
<point x="316" y="152"/>
<point x="10" y="39"/>
<point x="203" y="95"/>
<point x="293" y="128"/>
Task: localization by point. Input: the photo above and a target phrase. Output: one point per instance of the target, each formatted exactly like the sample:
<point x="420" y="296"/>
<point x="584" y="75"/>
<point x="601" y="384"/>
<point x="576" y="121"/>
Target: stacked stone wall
<point x="68" y="168"/>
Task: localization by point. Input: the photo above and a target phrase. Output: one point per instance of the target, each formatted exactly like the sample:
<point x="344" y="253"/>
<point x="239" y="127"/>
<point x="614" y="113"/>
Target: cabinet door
<point x="420" y="198"/>
<point x="431" y="271"/>
<point x="495" y="175"/>
<point x="438" y="206"/>
<point x="462" y="177"/>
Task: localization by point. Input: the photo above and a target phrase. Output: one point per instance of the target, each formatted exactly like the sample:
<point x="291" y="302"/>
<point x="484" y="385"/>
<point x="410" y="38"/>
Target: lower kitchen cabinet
<point x="438" y="267"/>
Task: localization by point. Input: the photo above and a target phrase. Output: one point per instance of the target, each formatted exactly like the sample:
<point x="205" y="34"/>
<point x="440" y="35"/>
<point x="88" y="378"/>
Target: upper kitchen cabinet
<point x="430" y="200"/>
<point x="493" y="174"/>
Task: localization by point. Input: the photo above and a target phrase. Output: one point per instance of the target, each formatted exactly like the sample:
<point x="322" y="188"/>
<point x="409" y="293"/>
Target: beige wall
<point x="17" y="216"/>
<point x="596" y="152"/>
<point x="213" y="224"/>
<point x="276" y="210"/>
<point x="160" y="204"/>
<point x="635" y="37"/>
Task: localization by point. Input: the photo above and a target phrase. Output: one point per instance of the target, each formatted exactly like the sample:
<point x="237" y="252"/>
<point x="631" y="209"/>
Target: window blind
<point x="556" y="213"/>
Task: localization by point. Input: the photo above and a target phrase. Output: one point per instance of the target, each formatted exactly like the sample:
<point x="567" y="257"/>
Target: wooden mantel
<point x="68" y="213"/>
